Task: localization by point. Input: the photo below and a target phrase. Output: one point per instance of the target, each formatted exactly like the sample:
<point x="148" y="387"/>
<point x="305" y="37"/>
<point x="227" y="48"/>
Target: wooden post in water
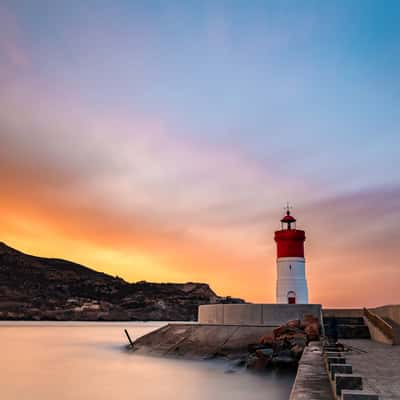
<point x="129" y="338"/>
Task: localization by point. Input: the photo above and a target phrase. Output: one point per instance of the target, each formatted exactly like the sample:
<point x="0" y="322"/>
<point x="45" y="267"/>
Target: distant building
<point x="291" y="284"/>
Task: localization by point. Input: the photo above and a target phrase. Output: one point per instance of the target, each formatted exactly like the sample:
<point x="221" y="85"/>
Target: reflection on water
<point x="43" y="361"/>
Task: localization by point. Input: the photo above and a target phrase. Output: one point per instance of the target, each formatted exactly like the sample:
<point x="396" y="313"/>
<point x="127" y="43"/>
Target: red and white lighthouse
<point x="291" y="284"/>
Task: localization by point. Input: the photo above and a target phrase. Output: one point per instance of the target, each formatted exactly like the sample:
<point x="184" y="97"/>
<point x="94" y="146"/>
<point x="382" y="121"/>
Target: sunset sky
<point x="160" y="140"/>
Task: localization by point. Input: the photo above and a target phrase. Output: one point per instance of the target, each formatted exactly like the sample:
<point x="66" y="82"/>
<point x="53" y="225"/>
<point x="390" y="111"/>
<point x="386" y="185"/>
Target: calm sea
<point x="43" y="361"/>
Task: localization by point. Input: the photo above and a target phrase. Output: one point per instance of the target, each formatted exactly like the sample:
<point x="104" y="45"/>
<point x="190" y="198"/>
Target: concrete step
<point x="353" y="332"/>
<point x="346" y="330"/>
<point x="344" y="320"/>
<point x="358" y="395"/>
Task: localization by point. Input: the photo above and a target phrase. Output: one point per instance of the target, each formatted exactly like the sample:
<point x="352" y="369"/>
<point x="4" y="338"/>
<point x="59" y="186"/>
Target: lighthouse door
<point x="291" y="297"/>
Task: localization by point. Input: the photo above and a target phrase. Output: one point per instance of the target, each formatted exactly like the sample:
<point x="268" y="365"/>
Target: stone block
<point x="340" y="369"/>
<point x="278" y="314"/>
<point x="358" y="395"/>
<point x="253" y="347"/>
<point x="335" y="360"/>
<point x="347" y="381"/>
<point x="330" y="348"/>
<point x="242" y="314"/>
<point x="267" y="340"/>
<point x="330" y="354"/>
<point x="312" y="331"/>
<point x="281" y="330"/>
<point x="297" y="350"/>
<point x="309" y="318"/>
<point x="299" y="341"/>
<point x="294" y="323"/>
<point x="264" y="352"/>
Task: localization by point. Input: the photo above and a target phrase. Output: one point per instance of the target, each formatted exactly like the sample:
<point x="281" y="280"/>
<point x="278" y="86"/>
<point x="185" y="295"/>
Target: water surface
<point x="65" y="361"/>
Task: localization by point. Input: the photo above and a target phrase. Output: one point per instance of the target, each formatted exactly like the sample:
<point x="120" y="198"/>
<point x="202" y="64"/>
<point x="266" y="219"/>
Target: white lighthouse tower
<point x="291" y="284"/>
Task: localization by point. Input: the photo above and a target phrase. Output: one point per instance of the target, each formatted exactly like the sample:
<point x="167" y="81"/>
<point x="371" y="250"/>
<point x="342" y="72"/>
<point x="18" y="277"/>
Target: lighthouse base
<point x="291" y="285"/>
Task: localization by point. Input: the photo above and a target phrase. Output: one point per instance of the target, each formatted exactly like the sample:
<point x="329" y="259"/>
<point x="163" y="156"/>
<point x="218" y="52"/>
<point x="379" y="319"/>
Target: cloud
<point x="352" y="247"/>
<point x="128" y="196"/>
<point x="73" y="179"/>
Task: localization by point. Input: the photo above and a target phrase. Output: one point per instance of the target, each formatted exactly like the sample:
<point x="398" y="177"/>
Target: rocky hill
<point x="35" y="288"/>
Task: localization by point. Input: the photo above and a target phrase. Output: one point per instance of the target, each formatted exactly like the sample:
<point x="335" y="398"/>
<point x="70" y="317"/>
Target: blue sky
<point x="316" y="79"/>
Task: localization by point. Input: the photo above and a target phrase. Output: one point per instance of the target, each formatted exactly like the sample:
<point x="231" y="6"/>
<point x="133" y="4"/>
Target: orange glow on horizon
<point x="186" y="214"/>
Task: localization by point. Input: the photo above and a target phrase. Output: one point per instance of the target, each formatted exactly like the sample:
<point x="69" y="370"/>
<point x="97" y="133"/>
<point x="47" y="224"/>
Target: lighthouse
<point x="291" y="284"/>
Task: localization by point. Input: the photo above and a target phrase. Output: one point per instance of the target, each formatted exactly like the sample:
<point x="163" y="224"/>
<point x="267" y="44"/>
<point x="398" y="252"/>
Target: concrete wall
<point x="195" y="341"/>
<point x="312" y="382"/>
<point x="255" y="314"/>
<point x="389" y="311"/>
<point x="376" y="334"/>
<point x="277" y="314"/>
<point x="343" y="312"/>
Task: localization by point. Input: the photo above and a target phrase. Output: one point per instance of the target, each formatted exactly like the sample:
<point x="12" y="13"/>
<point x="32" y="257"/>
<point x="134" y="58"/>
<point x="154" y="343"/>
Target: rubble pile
<point x="286" y="345"/>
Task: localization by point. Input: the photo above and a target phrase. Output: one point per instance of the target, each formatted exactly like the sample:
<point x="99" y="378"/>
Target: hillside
<point x="35" y="288"/>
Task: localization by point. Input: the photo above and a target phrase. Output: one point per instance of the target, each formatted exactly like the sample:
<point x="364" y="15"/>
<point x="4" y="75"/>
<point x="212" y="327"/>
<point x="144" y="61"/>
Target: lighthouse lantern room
<point x="291" y="285"/>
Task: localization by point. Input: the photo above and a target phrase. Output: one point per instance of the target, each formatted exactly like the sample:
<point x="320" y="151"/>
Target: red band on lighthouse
<point x="290" y="243"/>
<point x="291" y="286"/>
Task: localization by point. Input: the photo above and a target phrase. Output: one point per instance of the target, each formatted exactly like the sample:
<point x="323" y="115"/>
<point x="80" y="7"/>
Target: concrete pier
<point x="358" y="395"/>
<point x="312" y="382"/>
<point x="200" y="341"/>
<point x="328" y="372"/>
<point x="347" y="381"/>
<point x="340" y="369"/>
<point x="335" y="360"/>
<point x="379" y="364"/>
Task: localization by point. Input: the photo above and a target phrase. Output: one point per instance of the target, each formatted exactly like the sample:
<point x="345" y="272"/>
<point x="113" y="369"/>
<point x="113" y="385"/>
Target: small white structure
<point x="291" y="284"/>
